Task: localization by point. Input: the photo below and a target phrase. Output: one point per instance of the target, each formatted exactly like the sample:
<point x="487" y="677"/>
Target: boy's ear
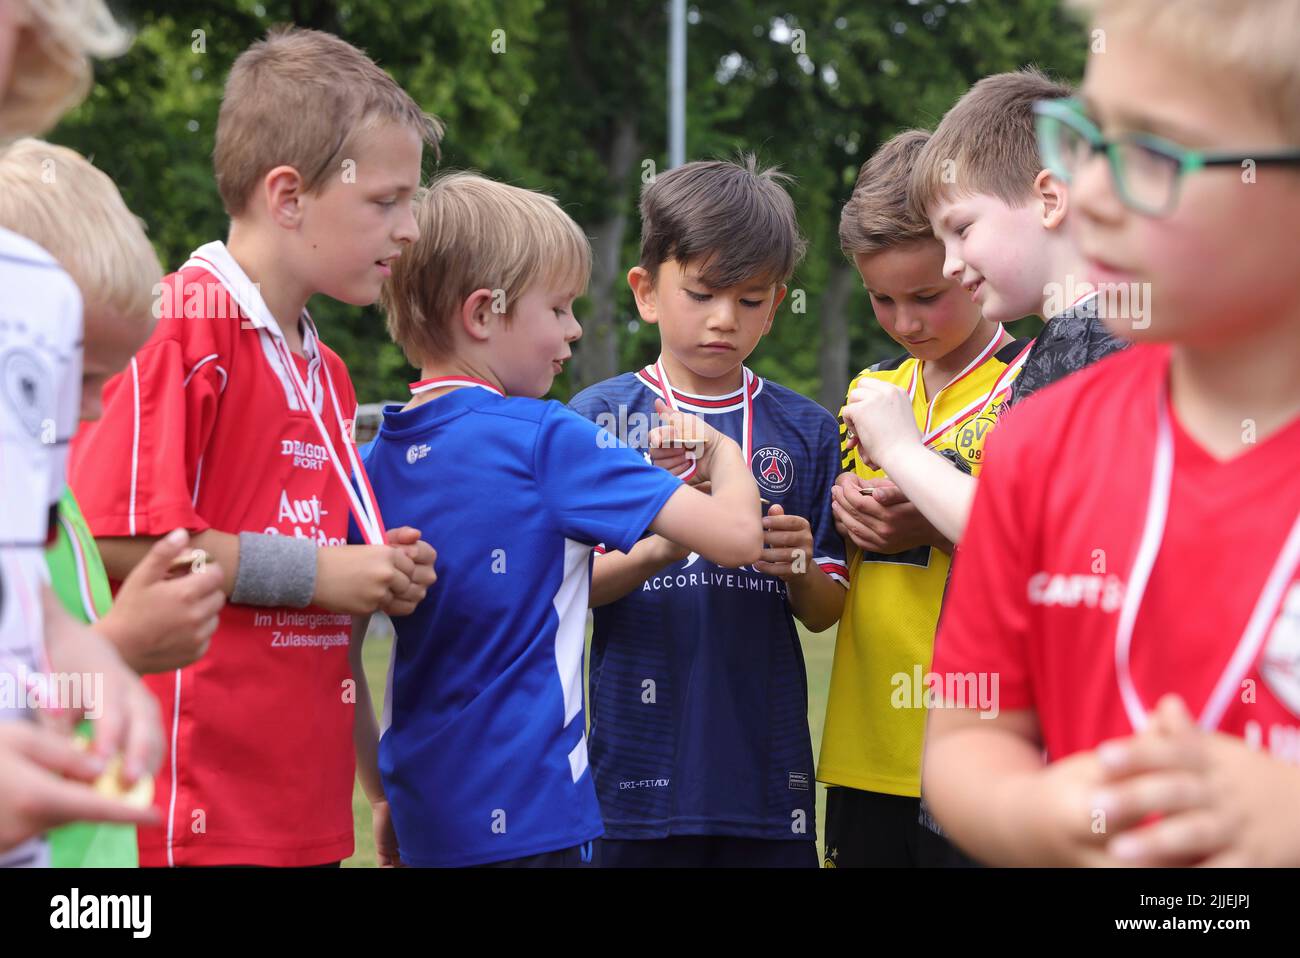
<point x="476" y="315"/>
<point x="643" y="290"/>
<point x="1055" y="197"/>
<point x="777" y="298"/>
<point x="282" y="189"/>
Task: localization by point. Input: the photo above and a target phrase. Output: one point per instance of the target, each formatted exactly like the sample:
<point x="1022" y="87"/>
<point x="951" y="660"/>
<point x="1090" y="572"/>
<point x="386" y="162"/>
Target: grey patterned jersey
<point x="1072" y="339"/>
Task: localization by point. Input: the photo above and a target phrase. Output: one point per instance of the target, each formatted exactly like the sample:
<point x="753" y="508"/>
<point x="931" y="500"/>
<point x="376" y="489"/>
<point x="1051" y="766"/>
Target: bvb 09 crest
<point x="972" y="434"/>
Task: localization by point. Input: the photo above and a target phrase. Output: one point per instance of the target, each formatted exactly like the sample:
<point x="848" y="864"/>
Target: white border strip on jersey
<point x="135" y="444"/>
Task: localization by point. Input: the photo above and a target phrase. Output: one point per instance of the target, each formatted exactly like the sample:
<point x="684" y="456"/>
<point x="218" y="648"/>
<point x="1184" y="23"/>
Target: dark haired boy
<point x="699" y="701"/>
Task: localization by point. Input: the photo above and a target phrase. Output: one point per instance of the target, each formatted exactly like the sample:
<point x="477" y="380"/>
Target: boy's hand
<point x="423" y="555"/>
<point x="1057" y="807"/>
<point x="884" y="521"/>
<point x="45" y="781"/>
<point x="679" y="426"/>
<point x="879" y="418"/>
<point x="1218" y="801"/>
<point x="361" y="579"/>
<point x="125" y="714"/>
<point x="783" y="537"/>
<point x="386" y="853"/>
<point x="160" y="623"/>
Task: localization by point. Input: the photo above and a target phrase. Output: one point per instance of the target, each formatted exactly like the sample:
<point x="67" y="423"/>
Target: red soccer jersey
<point x="1047" y="564"/>
<point x="204" y="430"/>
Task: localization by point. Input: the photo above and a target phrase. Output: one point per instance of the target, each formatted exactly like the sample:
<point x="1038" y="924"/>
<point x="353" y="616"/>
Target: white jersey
<point x="40" y="393"/>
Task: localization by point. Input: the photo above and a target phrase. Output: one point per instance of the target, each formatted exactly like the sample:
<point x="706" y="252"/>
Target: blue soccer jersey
<point x="483" y="750"/>
<point x="699" y="696"/>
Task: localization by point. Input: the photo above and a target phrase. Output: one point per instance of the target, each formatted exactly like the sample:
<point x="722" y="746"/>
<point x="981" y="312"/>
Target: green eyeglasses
<point x="1147" y="169"/>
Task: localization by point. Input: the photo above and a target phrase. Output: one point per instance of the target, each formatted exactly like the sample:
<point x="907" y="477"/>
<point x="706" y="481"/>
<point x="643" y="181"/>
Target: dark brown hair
<point x="733" y="220"/>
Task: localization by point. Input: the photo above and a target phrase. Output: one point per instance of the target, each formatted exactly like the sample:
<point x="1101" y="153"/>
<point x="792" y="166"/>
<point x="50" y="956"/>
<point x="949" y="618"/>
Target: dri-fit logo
<point x="306" y="455"/>
<point x="416" y="452"/>
<point x="773" y="469"/>
<point x="1071" y="590"/>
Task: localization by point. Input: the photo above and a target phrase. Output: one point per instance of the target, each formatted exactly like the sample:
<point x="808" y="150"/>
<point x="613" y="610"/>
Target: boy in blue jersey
<point x="483" y="754"/>
<point x="699" y="733"/>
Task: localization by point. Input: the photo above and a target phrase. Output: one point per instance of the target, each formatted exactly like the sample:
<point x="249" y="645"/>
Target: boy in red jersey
<point x="233" y="422"/>
<point x="1144" y="628"/>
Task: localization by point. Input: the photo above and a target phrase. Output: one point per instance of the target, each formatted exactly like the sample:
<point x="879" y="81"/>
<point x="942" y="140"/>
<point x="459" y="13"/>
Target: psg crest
<point x="773" y="470"/>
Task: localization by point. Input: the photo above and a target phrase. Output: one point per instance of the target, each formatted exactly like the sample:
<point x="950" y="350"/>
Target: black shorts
<point x="706" y="851"/>
<point x="875" y="830"/>
<point x="578" y="856"/>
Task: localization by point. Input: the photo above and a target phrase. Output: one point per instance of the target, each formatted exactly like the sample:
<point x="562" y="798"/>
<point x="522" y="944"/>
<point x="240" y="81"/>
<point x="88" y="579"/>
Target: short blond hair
<point x="986" y="143"/>
<point x="878" y="215"/>
<point x="57" y="199"/>
<point x="1253" y="43"/>
<point x="476" y="233"/>
<point x="51" y="68"/>
<point x="303" y="98"/>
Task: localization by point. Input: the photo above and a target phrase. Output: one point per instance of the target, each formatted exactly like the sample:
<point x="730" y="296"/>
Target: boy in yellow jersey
<point x="957" y="371"/>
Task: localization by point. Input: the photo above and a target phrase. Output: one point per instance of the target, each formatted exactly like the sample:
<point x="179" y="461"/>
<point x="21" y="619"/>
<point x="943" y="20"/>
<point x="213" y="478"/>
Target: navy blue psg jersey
<point x="699" y="698"/>
<point x="482" y="747"/>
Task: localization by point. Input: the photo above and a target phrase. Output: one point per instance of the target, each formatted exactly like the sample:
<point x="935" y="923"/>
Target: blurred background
<point x="570" y="97"/>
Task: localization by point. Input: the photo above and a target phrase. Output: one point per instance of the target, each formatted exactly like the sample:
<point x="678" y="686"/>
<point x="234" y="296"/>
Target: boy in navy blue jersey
<point x="483" y="756"/>
<point x="699" y="733"/>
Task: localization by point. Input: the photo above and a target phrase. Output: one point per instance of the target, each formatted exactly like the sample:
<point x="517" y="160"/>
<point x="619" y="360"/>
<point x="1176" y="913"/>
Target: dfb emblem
<point x="773" y="469"/>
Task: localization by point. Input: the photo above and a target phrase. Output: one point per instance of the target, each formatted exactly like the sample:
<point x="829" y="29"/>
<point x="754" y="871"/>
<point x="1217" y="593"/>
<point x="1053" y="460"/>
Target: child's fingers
<point x="779" y="523"/>
<point x="851" y="502"/>
<point x="110" y="727"/>
<point x="142" y="751"/>
<point x="1183" y="839"/>
<point x="54" y="751"/>
<point x="156" y="563"/>
<point x="1171" y="717"/>
<point x="886" y="494"/>
<point x="403" y="536"/>
<point x="1128" y="802"/>
<point x="1150" y="753"/>
<point x="857" y="530"/>
<point x="786" y="540"/>
<point x="62" y="801"/>
<point x="778" y="555"/>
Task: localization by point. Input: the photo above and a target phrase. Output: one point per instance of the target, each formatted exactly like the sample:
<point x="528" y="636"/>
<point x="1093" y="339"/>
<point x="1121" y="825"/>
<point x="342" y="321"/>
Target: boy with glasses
<point x="1145" y="632"/>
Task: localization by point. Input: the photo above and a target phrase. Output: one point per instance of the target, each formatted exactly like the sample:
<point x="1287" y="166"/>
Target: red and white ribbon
<point x="747" y="429"/>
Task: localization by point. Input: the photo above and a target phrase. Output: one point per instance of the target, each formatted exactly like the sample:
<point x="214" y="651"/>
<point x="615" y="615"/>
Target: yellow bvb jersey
<point x="875" y="718"/>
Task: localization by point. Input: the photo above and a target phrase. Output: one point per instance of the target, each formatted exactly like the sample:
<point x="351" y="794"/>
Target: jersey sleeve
<point x="849" y="460"/>
<point x="985" y="622"/>
<point x="827" y="544"/>
<point x="597" y="488"/>
<point x="135" y="470"/>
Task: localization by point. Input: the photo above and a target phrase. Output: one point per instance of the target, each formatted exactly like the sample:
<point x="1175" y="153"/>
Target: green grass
<point x="817" y="650"/>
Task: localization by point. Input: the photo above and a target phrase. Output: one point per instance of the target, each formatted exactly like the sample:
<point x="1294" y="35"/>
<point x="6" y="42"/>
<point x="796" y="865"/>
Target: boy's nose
<point x="574" y="330"/>
<point x="953" y="265"/>
<point x="408" y="230"/>
<point x="723" y="315"/>
<point x="906" y="324"/>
